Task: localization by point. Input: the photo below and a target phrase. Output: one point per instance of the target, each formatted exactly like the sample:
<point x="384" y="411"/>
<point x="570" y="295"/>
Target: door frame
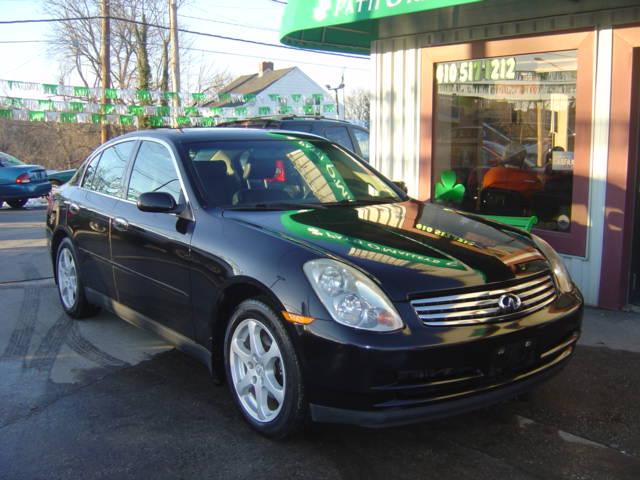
<point x="622" y="169"/>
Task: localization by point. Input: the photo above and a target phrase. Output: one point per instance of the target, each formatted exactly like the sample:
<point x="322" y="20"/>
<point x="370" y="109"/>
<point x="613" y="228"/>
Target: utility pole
<point x="175" y="57"/>
<point x="336" y="89"/>
<point x="105" y="62"/>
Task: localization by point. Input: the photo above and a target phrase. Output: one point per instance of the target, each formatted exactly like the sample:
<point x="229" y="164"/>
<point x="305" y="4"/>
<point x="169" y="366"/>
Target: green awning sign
<point x="346" y="25"/>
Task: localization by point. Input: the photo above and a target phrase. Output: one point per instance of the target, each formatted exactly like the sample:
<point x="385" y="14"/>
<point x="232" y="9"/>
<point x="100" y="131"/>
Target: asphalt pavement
<point x="98" y="398"/>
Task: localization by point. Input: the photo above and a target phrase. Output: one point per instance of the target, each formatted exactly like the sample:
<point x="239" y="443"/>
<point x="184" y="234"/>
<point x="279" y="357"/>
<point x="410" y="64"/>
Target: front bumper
<point x="24" y="190"/>
<point x="440" y="371"/>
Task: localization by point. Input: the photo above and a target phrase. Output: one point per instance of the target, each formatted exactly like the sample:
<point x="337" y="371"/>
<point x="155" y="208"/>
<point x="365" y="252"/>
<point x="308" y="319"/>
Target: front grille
<point x="482" y="306"/>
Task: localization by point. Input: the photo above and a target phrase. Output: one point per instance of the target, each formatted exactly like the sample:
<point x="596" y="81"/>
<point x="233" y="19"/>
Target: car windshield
<point x="7" y="160"/>
<point x="285" y="172"/>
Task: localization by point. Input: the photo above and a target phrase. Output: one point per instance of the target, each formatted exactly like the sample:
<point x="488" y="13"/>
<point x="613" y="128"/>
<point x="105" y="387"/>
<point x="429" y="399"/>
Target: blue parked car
<point x="20" y="182"/>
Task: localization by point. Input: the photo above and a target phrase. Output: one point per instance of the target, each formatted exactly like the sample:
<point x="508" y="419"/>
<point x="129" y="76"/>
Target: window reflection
<point x="505" y="136"/>
<point x="109" y="172"/>
<point x="153" y="171"/>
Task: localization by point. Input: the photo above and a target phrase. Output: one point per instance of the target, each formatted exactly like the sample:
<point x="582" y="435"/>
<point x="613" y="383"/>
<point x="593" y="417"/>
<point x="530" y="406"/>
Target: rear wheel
<point x="263" y="371"/>
<point x="17" y="203"/>
<point x="70" y="287"/>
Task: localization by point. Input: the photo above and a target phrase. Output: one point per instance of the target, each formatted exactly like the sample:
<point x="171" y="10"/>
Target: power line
<point x="256" y="27"/>
<point x="183" y="30"/>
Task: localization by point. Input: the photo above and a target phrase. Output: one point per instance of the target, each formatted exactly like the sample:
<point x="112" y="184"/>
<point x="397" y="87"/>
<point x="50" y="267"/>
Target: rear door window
<point x="109" y="173"/>
<point x="297" y="127"/>
<point x="339" y="135"/>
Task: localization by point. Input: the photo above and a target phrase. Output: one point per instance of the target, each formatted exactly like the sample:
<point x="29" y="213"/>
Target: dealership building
<point x="512" y="108"/>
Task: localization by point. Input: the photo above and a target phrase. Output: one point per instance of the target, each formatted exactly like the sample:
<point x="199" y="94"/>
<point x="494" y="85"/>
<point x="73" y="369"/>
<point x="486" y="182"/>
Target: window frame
<point x="573" y="242"/>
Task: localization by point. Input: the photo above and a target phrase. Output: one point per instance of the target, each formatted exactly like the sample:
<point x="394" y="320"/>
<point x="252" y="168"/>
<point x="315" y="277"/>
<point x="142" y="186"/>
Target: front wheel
<point x="17" y="203"/>
<point x="70" y="288"/>
<point x="263" y="371"/>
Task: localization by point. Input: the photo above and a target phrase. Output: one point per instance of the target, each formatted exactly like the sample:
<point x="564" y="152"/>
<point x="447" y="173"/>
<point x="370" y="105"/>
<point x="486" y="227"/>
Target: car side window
<point x="339" y="135"/>
<point x="297" y="127"/>
<point x="154" y="171"/>
<point x="362" y="137"/>
<point x="90" y="170"/>
<point x="109" y="173"/>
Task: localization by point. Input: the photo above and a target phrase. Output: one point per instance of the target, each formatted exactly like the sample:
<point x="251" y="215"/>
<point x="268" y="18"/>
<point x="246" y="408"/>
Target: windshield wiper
<point x="277" y="206"/>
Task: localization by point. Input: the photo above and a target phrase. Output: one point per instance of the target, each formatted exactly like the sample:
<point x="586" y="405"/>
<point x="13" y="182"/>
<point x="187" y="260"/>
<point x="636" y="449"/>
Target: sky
<point x="259" y="20"/>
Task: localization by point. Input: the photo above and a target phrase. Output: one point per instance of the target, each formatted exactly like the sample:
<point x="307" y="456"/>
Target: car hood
<point x="409" y="247"/>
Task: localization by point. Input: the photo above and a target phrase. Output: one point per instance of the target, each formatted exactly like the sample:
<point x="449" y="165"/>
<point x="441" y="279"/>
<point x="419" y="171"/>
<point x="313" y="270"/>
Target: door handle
<point x="120" y="224"/>
<point x="74" y="208"/>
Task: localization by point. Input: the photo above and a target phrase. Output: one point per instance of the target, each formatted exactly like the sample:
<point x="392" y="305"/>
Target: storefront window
<point x="505" y="136"/>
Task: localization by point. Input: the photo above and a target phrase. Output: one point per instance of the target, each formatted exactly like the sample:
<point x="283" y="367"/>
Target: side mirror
<point x="402" y="186"/>
<point x="158" y="202"/>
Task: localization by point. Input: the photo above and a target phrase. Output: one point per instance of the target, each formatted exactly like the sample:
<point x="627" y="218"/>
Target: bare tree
<point x="358" y="106"/>
<point x="77" y="42"/>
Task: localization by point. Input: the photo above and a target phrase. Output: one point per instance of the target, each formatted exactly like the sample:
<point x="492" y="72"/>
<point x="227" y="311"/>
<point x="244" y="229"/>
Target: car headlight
<point x="351" y="298"/>
<point x="560" y="272"/>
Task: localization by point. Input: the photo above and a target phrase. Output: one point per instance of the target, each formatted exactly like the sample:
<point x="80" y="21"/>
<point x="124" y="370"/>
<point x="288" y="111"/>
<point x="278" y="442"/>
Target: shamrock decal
<point x="446" y="189"/>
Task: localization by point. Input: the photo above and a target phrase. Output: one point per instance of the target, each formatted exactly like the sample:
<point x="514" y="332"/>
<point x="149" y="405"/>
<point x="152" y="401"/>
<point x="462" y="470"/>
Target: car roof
<point x="315" y="119"/>
<point x="195" y="135"/>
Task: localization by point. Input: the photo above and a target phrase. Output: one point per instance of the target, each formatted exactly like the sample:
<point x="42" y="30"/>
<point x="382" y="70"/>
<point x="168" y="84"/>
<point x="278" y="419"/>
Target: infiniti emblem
<point x="509" y="303"/>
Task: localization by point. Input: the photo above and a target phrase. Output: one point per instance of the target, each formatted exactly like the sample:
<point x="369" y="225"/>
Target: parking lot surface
<point x="98" y="398"/>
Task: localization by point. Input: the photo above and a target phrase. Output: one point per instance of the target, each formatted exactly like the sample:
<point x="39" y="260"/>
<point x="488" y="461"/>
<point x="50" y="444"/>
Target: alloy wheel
<point x="257" y="370"/>
<point x="67" y="278"/>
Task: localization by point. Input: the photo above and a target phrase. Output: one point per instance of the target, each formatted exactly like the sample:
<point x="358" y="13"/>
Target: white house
<point x="274" y="92"/>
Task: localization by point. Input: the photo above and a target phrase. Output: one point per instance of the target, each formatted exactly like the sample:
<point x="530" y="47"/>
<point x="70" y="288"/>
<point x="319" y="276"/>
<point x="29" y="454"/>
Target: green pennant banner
<point x="274" y="97"/>
<point x="81" y="91"/>
<point x="241" y="111"/>
<point x="97" y="118"/>
<point x="216" y="110"/>
<point x="143" y="95"/>
<point x="296" y="97"/>
<point x="4" y="113"/>
<point x="108" y="108"/>
<point x="126" y="120"/>
<point x="250" y="97"/>
<point x="76" y="106"/>
<point x="224" y="97"/>
<point x="198" y="97"/>
<point x="191" y="111"/>
<point x="285" y="110"/>
<point x="67" y="117"/>
<point x="309" y="109"/>
<point x="182" y="121"/>
<point x="208" y="122"/>
<point x="50" y="88"/>
<point x="111" y="93"/>
<point x="169" y="95"/>
<point x="163" y="111"/>
<point x="35" y="116"/>
<point x="264" y="111"/>
<point x="45" y="104"/>
<point x="156" y="121"/>
<point x="136" y="110"/>
<point x="328" y="107"/>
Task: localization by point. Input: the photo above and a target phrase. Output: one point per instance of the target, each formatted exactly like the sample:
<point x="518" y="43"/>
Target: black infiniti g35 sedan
<point x="309" y="282"/>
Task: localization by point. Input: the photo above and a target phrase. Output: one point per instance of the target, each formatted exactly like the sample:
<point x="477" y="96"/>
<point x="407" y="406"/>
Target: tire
<point x="247" y="372"/>
<point x="69" y="283"/>
<point x="16" y="204"/>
